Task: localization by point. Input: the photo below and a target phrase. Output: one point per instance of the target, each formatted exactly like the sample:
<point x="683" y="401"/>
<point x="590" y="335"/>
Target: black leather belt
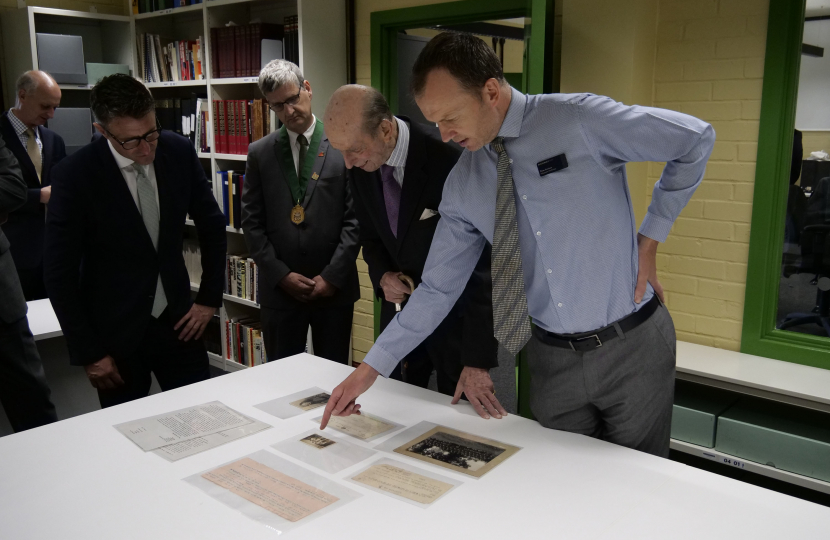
<point x="594" y="340"/>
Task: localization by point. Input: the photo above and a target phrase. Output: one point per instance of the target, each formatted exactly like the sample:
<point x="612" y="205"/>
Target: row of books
<point x="238" y="122"/>
<point x="241" y="272"/>
<point x="291" y="41"/>
<point x="242" y="277"/>
<point x="172" y="62"/>
<point x="243" y="341"/>
<point x="185" y="116"/>
<point x="148" y="6"/>
<point x="227" y="189"/>
<point x="237" y="51"/>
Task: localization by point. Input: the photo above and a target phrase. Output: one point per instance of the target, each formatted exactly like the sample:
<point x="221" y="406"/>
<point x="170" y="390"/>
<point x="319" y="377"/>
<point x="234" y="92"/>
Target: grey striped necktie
<point x="149" y="209"/>
<point x="510" y="319"/>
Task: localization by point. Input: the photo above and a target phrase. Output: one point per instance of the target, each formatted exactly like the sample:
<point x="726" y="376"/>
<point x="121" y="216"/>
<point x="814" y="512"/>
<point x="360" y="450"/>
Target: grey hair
<point x="277" y="73"/>
<point x="28" y="82"/>
<point x="375" y="111"/>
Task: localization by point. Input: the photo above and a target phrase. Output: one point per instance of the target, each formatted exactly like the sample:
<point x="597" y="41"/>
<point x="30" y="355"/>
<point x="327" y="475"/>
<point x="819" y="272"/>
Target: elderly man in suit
<point x="300" y="226"/>
<point x="397" y="170"/>
<point x="23" y="388"/>
<point x="37" y="149"/>
<point x="113" y="264"/>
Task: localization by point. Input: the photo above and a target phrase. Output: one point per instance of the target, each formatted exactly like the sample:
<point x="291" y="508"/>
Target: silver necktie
<point x="510" y="318"/>
<point x="149" y="209"/>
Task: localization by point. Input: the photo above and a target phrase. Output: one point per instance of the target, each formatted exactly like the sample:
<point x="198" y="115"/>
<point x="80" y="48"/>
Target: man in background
<point x="113" y="263"/>
<point x="397" y="170"/>
<point x="37" y="149"/>
<point x="299" y="224"/>
<point x="24" y="392"/>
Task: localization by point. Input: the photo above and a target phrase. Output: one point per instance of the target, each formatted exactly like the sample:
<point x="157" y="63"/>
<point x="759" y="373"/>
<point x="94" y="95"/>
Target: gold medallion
<point x="315" y="176"/>
<point x="297" y="215"/>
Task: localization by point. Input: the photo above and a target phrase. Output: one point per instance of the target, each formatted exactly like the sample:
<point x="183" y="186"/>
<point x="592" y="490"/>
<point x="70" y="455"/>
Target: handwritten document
<point x="361" y="426"/>
<point x="276" y="492"/>
<point x="403" y="483"/>
<point x="182" y="425"/>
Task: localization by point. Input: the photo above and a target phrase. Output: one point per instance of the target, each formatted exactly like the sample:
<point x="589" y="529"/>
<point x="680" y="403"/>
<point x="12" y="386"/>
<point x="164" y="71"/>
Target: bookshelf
<point x="112" y="39"/>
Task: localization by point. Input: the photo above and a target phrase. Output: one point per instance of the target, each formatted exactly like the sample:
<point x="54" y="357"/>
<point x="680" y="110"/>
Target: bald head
<point x="38" y="95"/>
<point x="360" y="124"/>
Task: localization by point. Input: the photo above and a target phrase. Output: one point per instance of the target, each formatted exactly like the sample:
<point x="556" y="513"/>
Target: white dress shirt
<point x="295" y="146"/>
<point x="126" y="166"/>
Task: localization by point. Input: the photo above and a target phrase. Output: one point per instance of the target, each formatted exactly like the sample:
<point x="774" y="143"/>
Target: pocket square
<point x="428" y="214"/>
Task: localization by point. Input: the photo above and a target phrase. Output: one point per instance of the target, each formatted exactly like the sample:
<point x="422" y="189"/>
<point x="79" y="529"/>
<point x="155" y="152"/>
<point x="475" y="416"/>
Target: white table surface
<point x="81" y="479"/>
<point x="42" y="320"/>
<point x="766" y="375"/>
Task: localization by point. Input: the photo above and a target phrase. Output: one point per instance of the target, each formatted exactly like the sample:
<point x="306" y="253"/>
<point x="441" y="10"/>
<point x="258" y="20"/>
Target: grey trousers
<point x="621" y="392"/>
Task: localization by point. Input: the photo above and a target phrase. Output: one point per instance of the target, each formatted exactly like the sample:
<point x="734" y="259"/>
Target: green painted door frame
<point x="778" y="104"/>
<point x="538" y="75"/>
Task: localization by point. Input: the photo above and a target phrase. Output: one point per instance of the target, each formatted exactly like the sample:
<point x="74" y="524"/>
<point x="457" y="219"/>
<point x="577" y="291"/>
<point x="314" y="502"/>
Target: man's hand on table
<point x="103" y="374"/>
<point x="647" y="255"/>
<point x="477" y="386"/>
<point x="342" y="400"/>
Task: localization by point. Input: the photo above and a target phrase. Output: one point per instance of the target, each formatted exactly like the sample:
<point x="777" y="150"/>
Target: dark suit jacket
<point x="26" y="225"/>
<point x="100" y="266"/>
<point x="12" y="196"/>
<point x="466" y="334"/>
<point x="325" y="243"/>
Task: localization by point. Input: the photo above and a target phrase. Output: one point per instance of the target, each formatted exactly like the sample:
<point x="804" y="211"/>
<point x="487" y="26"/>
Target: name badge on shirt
<point x="552" y="165"/>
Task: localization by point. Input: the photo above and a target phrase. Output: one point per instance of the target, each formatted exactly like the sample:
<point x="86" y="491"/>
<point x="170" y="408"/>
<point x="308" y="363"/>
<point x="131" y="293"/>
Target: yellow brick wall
<point x="710" y="57"/>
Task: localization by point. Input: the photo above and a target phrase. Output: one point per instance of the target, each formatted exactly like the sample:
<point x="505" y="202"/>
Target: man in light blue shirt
<point x="550" y="169"/>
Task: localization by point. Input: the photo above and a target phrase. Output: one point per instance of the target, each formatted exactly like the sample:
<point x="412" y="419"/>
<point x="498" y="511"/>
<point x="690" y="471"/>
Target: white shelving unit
<point x="112" y="39"/>
<point x="775" y="380"/>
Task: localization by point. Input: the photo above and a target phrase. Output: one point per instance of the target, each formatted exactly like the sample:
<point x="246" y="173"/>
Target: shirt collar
<point x="308" y="133"/>
<point x="512" y="124"/>
<point x="398" y="157"/>
<point x="19" y="126"/>
<point x="120" y="160"/>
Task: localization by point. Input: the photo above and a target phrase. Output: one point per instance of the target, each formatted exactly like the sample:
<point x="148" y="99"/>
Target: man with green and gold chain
<point x="300" y="226"/>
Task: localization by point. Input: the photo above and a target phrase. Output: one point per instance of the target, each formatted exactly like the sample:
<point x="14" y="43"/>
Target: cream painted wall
<point x="813" y="141"/>
<point x="608" y="48"/>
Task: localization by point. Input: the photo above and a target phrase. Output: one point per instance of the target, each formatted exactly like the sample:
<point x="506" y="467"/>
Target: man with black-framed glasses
<point x="114" y="267"/>
<point x="300" y="225"/>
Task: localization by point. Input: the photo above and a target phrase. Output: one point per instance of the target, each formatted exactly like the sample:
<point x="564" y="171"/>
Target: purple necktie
<point x="391" y="196"/>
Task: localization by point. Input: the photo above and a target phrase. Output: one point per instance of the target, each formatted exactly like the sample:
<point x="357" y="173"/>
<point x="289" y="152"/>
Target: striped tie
<point x="510" y="319"/>
<point x="149" y="209"/>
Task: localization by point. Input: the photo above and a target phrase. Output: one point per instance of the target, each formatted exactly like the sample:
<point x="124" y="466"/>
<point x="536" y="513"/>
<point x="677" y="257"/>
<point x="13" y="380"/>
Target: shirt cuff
<point x="655" y="227"/>
<point x="380" y="359"/>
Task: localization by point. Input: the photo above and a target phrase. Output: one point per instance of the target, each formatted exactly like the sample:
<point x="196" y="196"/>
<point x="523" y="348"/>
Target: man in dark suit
<point x="299" y="224"/>
<point x="397" y="173"/>
<point x="37" y="149"/>
<point x="23" y="388"/>
<point x="114" y="267"/>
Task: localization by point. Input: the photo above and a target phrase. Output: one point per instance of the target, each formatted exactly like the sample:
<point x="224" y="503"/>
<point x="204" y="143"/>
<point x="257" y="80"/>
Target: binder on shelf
<point x="96" y="72"/>
<point x="62" y="57"/>
<point x="74" y="125"/>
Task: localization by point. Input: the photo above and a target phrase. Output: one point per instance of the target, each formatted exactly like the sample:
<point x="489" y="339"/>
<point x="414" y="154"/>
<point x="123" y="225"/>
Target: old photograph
<point x="317" y="441"/>
<point x="459" y="451"/>
<point x="312" y="402"/>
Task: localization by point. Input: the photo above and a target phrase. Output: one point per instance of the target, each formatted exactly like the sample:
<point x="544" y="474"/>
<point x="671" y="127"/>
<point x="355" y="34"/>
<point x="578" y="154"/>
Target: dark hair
<point x="464" y="56"/>
<point x="375" y="111"/>
<point x="119" y="95"/>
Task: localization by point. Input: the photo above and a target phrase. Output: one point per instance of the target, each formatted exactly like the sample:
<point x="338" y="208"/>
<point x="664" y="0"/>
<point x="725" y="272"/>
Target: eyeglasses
<point x="130" y="144"/>
<point x="278" y="107"/>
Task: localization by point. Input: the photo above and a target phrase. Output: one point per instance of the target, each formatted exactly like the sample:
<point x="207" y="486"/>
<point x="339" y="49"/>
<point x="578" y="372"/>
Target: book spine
<point x="214" y="53"/>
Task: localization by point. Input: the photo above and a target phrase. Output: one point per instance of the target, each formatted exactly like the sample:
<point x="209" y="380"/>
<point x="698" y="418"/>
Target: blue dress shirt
<point x="577" y="230"/>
